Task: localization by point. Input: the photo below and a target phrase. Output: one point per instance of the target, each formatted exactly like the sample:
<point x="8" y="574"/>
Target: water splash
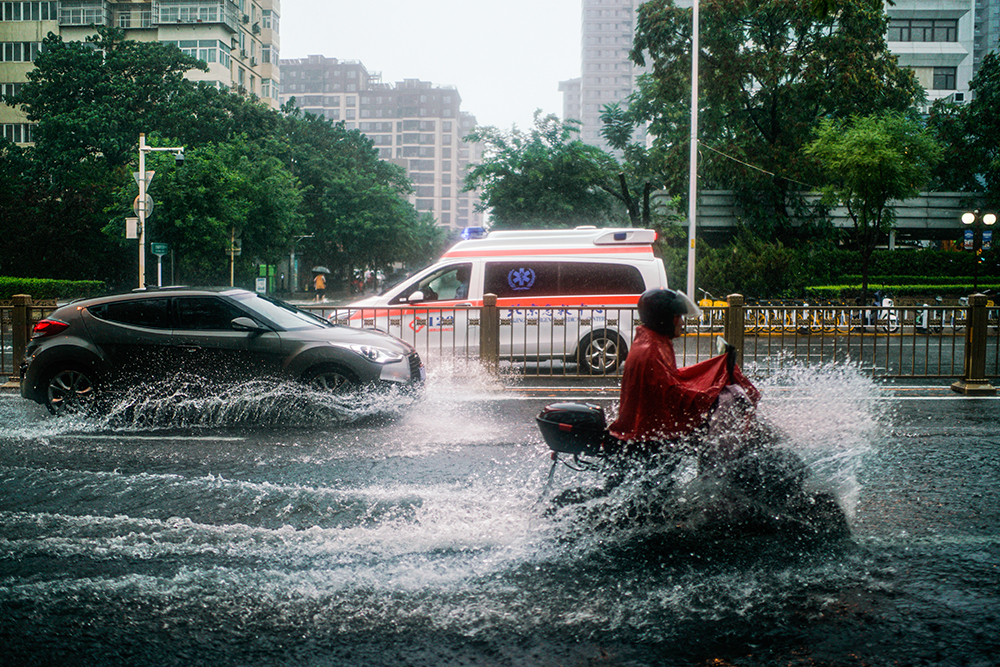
<point x="819" y="423"/>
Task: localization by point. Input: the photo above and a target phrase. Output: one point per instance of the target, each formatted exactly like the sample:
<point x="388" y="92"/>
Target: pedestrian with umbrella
<point x="319" y="282"/>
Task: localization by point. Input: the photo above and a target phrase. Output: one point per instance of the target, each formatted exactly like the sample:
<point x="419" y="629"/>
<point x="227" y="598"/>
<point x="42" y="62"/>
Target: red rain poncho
<point x="662" y="402"/>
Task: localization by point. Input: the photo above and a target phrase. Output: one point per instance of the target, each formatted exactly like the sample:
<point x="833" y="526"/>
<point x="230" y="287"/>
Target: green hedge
<point x="926" y="289"/>
<point x="916" y="280"/>
<point x="45" y="288"/>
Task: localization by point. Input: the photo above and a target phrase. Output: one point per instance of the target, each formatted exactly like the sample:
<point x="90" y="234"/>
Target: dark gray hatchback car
<point x="219" y="334"/>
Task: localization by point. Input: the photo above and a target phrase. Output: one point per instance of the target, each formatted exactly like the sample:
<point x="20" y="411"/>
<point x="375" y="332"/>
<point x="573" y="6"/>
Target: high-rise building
<point x="986" y="31"/>
<point x="572" y="108"/>
<point x="237" y="39"/>
<point x="607" y="76"/>
<point x="412" y="123"/>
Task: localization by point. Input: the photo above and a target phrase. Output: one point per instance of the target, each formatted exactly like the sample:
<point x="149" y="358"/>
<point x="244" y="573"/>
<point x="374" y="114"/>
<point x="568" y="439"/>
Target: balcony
<point x="183" y="12"/>
<point x="83" y="13"/>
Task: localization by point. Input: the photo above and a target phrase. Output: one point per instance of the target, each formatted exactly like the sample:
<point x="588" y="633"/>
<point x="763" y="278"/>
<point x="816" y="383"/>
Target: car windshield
<point x="285" y="315"/>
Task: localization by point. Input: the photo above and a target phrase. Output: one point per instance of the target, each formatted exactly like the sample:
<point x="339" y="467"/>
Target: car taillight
<point x="48" y="327"/>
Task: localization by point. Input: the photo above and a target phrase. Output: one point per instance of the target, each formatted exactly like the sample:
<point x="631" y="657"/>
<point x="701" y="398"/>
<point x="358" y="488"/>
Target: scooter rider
<point x="660" y="402"/>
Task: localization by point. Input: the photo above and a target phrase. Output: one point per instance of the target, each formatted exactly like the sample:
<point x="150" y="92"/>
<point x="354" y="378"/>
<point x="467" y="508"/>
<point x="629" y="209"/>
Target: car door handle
<point x="463" y="305"/>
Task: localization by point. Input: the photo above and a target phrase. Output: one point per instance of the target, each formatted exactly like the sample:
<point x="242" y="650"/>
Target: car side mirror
<point x="415" y="297"/>
<point x="247" y="324"/>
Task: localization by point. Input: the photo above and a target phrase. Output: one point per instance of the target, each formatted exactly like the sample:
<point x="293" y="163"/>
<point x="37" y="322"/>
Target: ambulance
<point x="566" y="294"/>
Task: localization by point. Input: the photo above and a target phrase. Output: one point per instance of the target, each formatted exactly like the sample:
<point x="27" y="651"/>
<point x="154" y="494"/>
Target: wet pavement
<point x="267" y="525"/>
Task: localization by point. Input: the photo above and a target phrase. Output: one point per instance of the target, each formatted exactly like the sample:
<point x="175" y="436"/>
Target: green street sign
<point x="158" y="249"/>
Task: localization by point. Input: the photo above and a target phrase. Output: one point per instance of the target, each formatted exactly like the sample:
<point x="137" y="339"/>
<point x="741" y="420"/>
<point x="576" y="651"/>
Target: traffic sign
<point x="158" y="249"/>
<point x="149" y="176"/>
<point x="149" y="206"/>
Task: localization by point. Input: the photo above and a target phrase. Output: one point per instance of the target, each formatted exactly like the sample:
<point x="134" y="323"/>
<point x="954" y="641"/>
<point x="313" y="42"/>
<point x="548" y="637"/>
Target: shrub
<point x="44" y="288"/>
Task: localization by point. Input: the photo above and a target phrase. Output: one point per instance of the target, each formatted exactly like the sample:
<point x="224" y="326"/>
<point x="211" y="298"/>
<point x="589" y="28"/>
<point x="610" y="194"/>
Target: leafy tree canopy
<point x="267" y="175"/>
<point x="769" y="71"/>
<point x="970" y="135"/>
<point x="543" y="177"/>
<point x="869" y="162"/>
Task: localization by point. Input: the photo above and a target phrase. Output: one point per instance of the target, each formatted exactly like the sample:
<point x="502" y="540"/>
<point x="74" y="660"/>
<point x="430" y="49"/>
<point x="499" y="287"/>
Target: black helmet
<point x="657" y="308"/>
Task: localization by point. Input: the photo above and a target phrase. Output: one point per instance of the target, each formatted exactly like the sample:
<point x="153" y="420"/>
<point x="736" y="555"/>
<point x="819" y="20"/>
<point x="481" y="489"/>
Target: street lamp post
<point x="693" y="158"/>
<point x="142" y="179"/>
<point x="978" y="220"/>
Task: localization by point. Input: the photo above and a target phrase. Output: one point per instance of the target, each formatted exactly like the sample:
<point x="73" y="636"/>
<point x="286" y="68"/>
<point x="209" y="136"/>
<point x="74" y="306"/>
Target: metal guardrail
<point x="896" y="342"/>
<point x="900" y="342"/>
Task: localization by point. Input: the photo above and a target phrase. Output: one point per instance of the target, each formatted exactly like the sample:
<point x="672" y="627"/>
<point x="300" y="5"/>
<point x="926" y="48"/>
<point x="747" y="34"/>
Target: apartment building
<point x="238" y="40"/>
<point x="413" y="123"/>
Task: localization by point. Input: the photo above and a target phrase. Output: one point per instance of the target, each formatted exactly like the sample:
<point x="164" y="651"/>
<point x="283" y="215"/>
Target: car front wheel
<point x="330" y="379"/>
<point x="70" y="390"/>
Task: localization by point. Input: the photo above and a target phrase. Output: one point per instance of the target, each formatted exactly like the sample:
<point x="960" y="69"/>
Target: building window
<point x="923" y="30"/>
<point x="19" y="52"/>
<point x="269" y="19"/>
<point x="944" y="78"/>
<point x="29" y="11"/>
<point x="19" y="133"/>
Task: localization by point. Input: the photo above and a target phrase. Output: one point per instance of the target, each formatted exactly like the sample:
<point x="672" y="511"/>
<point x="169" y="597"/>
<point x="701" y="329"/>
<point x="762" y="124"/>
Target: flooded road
<point x="271" y="526"/>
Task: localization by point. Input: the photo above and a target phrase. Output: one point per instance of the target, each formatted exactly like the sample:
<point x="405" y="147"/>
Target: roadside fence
<point x="914" y="341"/>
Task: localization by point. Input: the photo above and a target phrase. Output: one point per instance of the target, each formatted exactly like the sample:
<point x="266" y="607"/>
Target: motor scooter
<point x="929" y="321"/>
<point x="743" y="457"/>
<point x="884" y="317"/>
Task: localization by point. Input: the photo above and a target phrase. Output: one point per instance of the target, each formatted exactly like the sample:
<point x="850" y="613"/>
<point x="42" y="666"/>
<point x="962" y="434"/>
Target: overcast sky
<point x="506" y="58"/>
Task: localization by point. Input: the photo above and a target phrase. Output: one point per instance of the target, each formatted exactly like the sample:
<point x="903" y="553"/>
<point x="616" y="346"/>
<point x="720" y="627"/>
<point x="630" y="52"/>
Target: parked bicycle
<point x="713" y="312"/>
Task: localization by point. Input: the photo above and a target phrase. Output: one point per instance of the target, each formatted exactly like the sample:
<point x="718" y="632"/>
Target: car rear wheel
<point x="601" y="352"/>
<point x="330" y="379"/>
<point x="70" y="390"/>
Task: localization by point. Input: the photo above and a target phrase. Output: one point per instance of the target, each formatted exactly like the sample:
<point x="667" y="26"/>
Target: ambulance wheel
<point x="601" y="353"/>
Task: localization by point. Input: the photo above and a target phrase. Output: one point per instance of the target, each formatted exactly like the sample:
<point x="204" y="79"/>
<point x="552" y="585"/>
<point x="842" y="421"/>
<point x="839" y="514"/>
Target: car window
<point x="206" y="313"/>
<point x="445" y="284"/>
<point x="527" y="278"/>
<point x="150" y="313"/>
<point x="284" y="315"/>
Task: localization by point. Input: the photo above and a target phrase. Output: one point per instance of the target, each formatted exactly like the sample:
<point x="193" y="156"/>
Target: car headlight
<point x="372" y="353"/>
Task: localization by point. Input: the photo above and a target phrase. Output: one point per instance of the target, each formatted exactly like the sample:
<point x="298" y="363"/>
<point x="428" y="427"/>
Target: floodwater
<point x="267" y="525"/>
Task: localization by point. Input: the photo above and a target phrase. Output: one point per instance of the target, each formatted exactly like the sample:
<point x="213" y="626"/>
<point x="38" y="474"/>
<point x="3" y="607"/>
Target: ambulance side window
<point x="444" y="284"/>
<point x="529" y="279"/>
<point x="587" y="278"/>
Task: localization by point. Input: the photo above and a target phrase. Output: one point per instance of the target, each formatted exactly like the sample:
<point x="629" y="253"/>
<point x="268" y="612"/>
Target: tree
<point x="221" y="190"/>
<point x="354" y="202"/>
<point x="969" y="133"/>
<point x="90" y="101"/>
<point x="542" y="178"/>
<point x="249" y="168"/>
<point x="984" y="126"/>
<point x="869" y="162"/>
<point x="769" y="71"/>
